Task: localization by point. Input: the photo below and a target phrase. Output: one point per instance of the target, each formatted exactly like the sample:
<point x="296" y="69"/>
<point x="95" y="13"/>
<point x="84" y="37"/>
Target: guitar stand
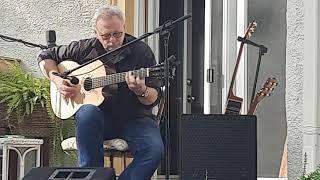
<point x="166" y="37"/>
<point x="262" y="51"/>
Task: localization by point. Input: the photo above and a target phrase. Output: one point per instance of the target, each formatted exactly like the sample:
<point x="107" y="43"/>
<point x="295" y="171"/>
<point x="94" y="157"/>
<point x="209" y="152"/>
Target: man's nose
<point x="112" y="39"/>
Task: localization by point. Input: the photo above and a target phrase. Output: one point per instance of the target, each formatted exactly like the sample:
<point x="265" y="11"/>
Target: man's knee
<point x="155" y="150"/>
<point x="87" y="114"/>
<point x="159" y="151"/>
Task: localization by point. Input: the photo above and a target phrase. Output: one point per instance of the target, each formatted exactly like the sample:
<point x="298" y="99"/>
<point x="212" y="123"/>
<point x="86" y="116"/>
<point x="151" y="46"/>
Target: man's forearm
<point x="150" y="96"/>
<point x="47" y="67"/>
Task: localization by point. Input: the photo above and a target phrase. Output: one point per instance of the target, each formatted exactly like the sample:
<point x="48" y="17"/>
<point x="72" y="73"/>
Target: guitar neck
<point x="236" y="68"/>
<point x="117" y="78"/>
<point x="233" y="105"/>
<point x="252" y="109"/>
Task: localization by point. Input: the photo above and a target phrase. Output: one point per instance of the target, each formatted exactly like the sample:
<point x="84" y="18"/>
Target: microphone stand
<point x="165" y="33"/>
<point x="262" y="51"/>
<point x="10" y="39"/>
<point x="166" y="37"/>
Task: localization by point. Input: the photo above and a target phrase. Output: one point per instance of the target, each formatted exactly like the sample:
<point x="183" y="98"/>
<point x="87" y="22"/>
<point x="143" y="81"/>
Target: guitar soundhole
<point x="233" y="107"/>
<point x="87" y="85"/>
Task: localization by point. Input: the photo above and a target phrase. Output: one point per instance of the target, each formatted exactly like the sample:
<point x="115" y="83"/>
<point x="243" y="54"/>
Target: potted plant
<point x="21" y="92"/>
<point x="26" y="101"/>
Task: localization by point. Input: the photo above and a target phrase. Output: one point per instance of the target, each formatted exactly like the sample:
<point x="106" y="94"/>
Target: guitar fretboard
<point x="117" y="78"/>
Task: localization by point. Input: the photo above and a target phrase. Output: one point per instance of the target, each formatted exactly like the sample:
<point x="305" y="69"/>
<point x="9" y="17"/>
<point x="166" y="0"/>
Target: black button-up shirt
<point x="124" y="104"/>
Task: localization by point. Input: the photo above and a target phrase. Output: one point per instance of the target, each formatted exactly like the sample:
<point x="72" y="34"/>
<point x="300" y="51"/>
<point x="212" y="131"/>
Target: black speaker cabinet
<point x="74" y="173"/>
<point x="219" y="147"/>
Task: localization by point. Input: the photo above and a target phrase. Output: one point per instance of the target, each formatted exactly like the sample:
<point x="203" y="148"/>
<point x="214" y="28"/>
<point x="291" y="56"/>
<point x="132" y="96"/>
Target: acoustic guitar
<point x="92" y="78"/>
<point x="234" y="103"/>
<point x="268" y="87"/>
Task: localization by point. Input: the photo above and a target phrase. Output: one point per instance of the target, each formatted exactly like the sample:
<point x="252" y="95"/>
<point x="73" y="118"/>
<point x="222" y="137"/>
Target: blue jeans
<point x="94" y="125"/>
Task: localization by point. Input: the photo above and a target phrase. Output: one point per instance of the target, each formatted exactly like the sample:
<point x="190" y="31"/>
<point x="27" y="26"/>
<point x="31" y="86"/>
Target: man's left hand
<point x="135" y="84"/>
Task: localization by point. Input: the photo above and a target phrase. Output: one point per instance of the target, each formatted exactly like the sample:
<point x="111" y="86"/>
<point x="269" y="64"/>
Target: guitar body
<point x="65" y="108"/>
<point x="234" y="104"/>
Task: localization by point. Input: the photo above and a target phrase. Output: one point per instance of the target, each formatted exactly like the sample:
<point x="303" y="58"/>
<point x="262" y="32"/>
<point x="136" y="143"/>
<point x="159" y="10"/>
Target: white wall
<point x="294" y="85"/>
<point x="29" y="19"/>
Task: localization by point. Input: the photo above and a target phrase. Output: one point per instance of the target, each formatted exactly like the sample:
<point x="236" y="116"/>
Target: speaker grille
<point x="218" y="147"/>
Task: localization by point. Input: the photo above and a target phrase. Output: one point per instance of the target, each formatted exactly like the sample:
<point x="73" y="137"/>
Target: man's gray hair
<point x="106" y="11"/>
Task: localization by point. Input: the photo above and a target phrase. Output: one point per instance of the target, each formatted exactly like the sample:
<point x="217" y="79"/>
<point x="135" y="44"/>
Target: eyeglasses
<point x="109" y="35"/>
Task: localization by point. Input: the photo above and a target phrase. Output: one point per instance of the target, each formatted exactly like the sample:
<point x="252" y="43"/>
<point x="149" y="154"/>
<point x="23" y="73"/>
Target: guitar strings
<point x="113" y="78"/>
<point x="109" y="79"/>
<point x="118" y="77"/>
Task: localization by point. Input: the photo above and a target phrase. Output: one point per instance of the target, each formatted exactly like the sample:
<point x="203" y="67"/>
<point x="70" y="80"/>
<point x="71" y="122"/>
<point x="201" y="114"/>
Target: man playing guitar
<point x="127" y="114"/>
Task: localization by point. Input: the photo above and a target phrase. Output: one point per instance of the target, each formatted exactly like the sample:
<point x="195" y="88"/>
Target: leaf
<point x="7" y="98"/>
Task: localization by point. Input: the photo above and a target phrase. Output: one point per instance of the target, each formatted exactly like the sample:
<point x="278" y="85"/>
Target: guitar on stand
<point x="265" y="91"/>
<point x="234" y="103"/>
<point x="268" y="87"/>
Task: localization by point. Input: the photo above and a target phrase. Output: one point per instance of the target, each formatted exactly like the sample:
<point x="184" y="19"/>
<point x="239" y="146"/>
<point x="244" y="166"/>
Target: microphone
<point x="51" y="38"/>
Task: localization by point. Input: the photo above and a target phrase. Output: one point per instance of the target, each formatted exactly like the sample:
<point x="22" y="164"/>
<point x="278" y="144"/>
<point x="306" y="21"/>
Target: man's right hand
<point x="65" y="87"/>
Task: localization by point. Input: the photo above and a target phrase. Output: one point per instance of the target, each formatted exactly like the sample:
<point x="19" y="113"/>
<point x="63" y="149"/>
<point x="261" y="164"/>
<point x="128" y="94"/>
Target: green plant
<point x="315" y="175"/>
<point x="21" y="93"/>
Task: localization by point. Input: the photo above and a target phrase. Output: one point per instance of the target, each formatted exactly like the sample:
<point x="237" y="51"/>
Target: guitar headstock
<point x="267" y="89"/>
<point x="263" y="92"/>
<point x="250" y="29"/>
